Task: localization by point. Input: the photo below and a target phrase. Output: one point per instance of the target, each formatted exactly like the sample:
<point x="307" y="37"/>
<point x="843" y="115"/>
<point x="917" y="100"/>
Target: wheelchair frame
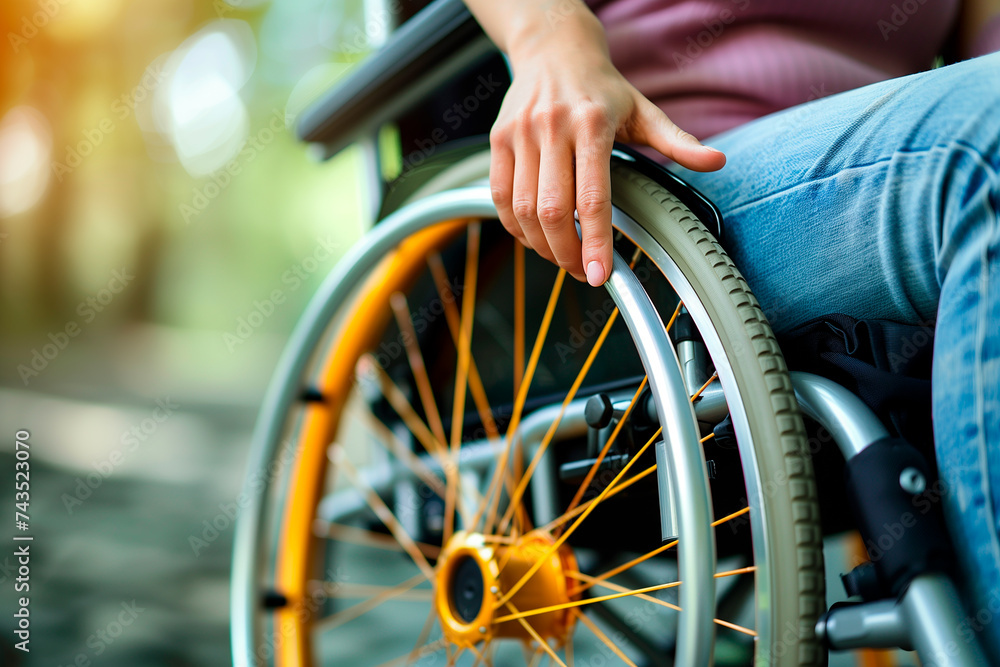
<point x="923" y="613"/>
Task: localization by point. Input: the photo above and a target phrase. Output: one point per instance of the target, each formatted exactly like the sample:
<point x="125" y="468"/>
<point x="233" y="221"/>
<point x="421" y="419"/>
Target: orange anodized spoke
<point x="662" y="603"/>
<point x="461" y="374"/>
<point x="397" y="399"/>
<point x="522" y="485"/>
<point x="604" y="450"/>
<point x="655" y="552"/>
<point x="542" y="644"/>
<point x="339" y="459"/>
<point x="518" y="316"/>
<point x="351" y="613"/>
<point x="392" y="444"/>
<point x="476" y="388"/>
<point x="555" y="523"/>
<point x="621" y="589"/>
<point x="340" y="590"/>
<point x="569" y="531"/>
<point x="673" y="318"/>
<point x="409" y="335"/>
<point x="569" y="514"/>
<point x="425" y="634"/>
<point x="426" y="649"/>
<point x="709" y="381"/>
<point x="603" y="637"/>
<point x="367" y="538"/>
<point x="492" y="498"/>
<point x="582" y="603"/>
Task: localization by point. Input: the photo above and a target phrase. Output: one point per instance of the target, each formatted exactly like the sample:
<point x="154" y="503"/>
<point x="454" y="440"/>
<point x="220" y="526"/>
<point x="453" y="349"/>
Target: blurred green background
<point x="160" y="232"/>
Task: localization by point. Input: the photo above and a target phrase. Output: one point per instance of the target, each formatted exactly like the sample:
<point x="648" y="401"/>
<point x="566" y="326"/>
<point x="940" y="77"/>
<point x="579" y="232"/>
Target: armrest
<point x="439" y="42"/>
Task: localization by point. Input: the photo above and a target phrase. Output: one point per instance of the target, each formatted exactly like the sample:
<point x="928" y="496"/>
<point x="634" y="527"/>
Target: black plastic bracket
<point x="898" y="513"/>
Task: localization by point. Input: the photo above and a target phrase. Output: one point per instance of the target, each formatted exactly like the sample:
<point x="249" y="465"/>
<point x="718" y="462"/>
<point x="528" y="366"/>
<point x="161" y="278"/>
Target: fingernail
<point x="595" y="274"/>
<point x="710" y="149"/>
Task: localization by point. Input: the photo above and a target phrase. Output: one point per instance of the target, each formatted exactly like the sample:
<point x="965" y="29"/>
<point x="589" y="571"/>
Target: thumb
<point x="654" y="129"/>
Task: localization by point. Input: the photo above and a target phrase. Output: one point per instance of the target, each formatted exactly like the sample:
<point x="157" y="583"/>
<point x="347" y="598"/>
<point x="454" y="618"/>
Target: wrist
<point x="560" y="31"/>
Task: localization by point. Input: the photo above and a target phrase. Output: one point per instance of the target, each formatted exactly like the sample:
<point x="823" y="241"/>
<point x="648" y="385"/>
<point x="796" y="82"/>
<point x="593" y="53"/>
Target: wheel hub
<point x="474" y="572"/>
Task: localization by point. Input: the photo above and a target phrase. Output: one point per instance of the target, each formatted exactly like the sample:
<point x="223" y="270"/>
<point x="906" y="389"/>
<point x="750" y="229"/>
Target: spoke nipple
<point x="494" y="590"/>
<point x="482" y="629"/>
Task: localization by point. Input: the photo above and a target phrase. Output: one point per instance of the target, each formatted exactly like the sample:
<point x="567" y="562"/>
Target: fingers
<point x="556" y="197"/>
<point x="525" y="197"/>
<point x="593" y="203"/>
<point x="653" y="128"/>
<point x="502" y="187"/>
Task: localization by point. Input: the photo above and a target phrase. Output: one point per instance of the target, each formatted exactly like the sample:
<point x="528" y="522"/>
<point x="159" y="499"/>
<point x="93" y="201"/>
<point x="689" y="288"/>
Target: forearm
<point x="522" y="28"/>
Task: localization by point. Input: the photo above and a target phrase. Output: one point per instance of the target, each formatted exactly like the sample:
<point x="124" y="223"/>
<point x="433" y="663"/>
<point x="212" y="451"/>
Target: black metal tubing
<point x="407" y="60"/>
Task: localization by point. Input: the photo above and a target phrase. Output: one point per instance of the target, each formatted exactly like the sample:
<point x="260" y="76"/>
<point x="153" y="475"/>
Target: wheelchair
<point x="465" y="458"/>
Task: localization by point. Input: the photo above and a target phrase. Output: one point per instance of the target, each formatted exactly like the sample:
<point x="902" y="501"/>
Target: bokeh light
<point x="25" y="149"/>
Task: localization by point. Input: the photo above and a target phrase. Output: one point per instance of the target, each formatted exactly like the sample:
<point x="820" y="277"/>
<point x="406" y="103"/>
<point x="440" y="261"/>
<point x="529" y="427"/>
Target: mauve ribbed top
<point x="714" y="64"/>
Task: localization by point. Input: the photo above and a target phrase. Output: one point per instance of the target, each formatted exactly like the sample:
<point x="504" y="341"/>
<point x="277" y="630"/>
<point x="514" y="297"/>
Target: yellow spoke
<point x="709" y="381"/>
<point x="581" y="603"/>
<point x="673" y="318"/>
<point x="339" y="458"/>
<point x="392" y="444"/>
<point x="397" y="399"/>
<point x="655" y="552"/>
<point x="555" y="523"/>
<point x="492" y="497"/>
<point x="351" y="613"/>
<point x="461" y="374"/>
<point x="542" y="644"/>
<point x="518" y="316"/>
<point x="626" y="591"/>
<point x="536" y="459"/>
<point x="425" y="634"/>
<point x="368" y="538"/>
<point x="536" y="657"/>
<point x="480" y="656"/>
<point x="621" y="589"/>
<point x="409" y="335"/>
<point x="569" y="531"/>
<point x="733" y="626"/>
<point x="569" y="651"/>
<point x="603" y="637"/>
<point x="339" y="590"/>
<point x="454" y="326"/>
<point x="433" y="647"/>
<point x="607" y="447"/>
<point x="456" y="655"/>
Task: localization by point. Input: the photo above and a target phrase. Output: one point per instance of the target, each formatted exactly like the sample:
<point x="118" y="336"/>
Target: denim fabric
<point x="882" y="202"/>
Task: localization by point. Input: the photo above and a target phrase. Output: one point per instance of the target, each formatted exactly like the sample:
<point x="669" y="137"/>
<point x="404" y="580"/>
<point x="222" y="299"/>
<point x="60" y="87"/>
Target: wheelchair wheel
<point x="465" y="458"/>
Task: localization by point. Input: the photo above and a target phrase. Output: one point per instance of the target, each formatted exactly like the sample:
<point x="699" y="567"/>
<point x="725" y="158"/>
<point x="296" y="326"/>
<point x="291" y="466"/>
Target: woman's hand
<point x="551" y="144"/>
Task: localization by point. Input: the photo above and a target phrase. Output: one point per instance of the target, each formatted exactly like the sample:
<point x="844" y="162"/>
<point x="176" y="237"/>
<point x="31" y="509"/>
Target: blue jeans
<point x="882" y="202"/>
